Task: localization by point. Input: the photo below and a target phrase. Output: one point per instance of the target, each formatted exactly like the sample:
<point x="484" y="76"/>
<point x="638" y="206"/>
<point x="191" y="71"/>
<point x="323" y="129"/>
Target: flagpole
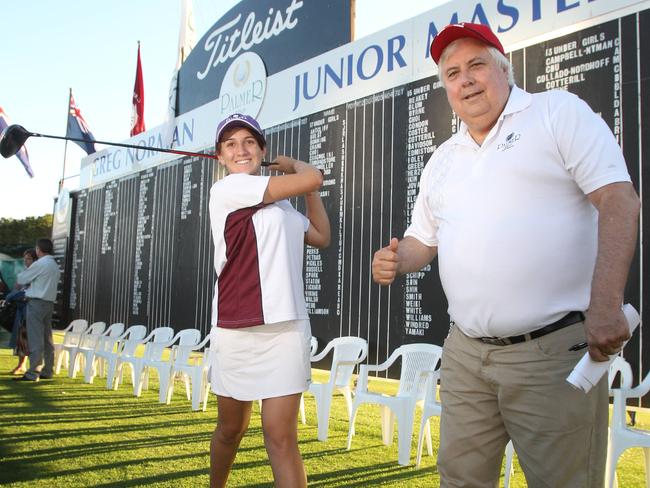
<point x="65" y="147"/>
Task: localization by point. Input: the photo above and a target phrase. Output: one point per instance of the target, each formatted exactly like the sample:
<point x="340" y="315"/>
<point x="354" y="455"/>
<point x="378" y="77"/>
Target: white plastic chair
<point x="622" y="437"/>
<point x="153" y="359"/>
<point x="154" y="345"/>
<point x="86" y="346"/>
<point x="430" y="407"/>
<point x="125" y="345"/>
<point x="72" y="334"/>
<point x="193" y="370"/>
<point x="88" y="336"/>
<point x="348" y="352"/>
<point x="108" y="339"/>
<point x="417" y="359"/>
<point x="618" y="366"/>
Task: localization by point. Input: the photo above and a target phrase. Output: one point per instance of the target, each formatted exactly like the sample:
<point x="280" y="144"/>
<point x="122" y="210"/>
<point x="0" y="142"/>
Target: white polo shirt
<point x="258" y="254"/>
<point x="43" y="278"/>
<point x="516" y="234"/>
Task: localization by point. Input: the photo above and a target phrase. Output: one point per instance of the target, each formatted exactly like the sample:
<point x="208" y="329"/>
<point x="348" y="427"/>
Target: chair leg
<point x="57" y="355"/>
<point x="170" y="387"/>
<point x="59" y="360"/>
<point x="323" y="405"/>
<point x="206" y="393"/>
<point x="89" y="370"/>
<point x="302" y="410"/>
<point x="347" y="394"/>
<point x="163" y="385"/>
<point x="424" y="424"/>
<point x="101" y="367"/>
<point x="613" y="453"/>
<point x="509" y="469"/>
<point x="404" y="436"/>
<point x="197" y="391"/>
<point x="137" y="373"/>
<point x="353" y="418"/>
<point x="387" y="425"/>
<point x="72" y="363"/>
<point x="111" y="376"/>
<point x="188" y="386"/>
<point x="646" y="453"/>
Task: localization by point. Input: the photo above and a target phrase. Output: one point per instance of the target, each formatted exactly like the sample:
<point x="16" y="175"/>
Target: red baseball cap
<point x="465" y="29"/>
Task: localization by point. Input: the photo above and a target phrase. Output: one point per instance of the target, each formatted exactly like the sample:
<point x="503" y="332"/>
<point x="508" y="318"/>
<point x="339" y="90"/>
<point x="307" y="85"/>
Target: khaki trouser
<point x="491" y="394"/>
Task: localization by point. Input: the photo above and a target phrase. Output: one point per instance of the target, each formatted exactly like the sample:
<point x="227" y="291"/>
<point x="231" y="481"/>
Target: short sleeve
<point x="239" y="191"/>
<point x="588" y="148"/>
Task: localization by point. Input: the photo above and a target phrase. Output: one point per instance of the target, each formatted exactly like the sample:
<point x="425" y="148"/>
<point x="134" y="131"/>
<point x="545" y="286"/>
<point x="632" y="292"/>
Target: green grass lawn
<point x="65" y="433"/>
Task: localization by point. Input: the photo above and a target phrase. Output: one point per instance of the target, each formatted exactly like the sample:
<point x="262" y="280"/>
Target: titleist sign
<point x="227" y="41"/>
<point x="281" y="32"/>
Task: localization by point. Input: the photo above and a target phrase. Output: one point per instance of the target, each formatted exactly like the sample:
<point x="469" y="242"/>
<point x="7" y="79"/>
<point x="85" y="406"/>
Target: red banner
<point x="137" y="118"/>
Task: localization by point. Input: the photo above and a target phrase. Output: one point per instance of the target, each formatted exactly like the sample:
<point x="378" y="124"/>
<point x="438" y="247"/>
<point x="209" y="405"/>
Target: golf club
<point x="14" y="137"/>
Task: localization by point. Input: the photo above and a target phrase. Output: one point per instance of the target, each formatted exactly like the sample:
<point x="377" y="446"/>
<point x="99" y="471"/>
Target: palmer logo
<point x="244" y="85"/>
<point x="511" y="140"/>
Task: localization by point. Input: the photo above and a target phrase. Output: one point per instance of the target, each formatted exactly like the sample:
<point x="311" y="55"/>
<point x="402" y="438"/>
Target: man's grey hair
<point x="502" y="62"/>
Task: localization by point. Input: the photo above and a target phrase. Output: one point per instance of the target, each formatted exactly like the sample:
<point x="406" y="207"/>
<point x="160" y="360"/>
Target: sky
<point x="91" y="47"/>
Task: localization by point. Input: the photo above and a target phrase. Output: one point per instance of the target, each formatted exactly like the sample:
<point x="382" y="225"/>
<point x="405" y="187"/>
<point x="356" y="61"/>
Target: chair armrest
<point x="322" y="354"/>
<point x="147" y="338"/>
<point x="638" y="391"/>
<point x="386" y="364"/>
<point x="171" y="341"/>
<point x="123" y="335"/>
<point x="201" y="344"/>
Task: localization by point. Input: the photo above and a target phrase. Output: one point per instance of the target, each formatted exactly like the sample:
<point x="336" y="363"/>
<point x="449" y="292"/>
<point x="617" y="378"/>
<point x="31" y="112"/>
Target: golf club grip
<point x="269" y="163"/>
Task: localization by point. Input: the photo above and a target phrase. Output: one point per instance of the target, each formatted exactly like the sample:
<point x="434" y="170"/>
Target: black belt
<point x="569" y="319"/>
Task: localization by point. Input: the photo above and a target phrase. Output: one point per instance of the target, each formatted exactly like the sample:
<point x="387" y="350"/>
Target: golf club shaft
<point x="132" y="146"/>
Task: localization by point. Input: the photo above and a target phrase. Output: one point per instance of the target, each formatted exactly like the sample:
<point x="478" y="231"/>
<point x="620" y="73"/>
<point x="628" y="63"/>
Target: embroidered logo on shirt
<point x="511" y="140"/>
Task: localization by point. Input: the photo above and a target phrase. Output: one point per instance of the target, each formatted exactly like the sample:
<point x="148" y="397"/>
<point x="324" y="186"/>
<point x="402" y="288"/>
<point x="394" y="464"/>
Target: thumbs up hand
<point x="385" y="263"/>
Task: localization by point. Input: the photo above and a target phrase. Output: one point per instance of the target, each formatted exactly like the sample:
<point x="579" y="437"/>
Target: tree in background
<point x="18" y="235"/>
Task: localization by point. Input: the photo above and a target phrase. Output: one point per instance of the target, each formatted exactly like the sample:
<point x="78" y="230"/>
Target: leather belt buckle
<point x="494" y="341"/>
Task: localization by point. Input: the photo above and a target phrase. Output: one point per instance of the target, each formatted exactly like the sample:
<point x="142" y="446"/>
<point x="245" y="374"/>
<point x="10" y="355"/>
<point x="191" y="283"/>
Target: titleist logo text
<point x="223" y="47"/>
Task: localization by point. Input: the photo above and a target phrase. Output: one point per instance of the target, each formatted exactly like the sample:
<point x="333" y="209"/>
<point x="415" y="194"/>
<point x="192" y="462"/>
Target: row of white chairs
<point x="97" y="350"/>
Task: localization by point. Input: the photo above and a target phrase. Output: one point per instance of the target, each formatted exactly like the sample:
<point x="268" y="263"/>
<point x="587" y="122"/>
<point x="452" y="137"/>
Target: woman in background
<point x="261" y="333"/>
<point x="18" y="341"/>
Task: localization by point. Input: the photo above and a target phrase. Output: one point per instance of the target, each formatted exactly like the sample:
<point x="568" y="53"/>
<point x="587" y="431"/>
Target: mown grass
<point x="65" y="433"/>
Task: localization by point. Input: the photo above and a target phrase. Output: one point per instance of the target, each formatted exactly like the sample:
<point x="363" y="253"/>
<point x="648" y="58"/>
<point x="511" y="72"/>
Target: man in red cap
<point x="532" y="213"/>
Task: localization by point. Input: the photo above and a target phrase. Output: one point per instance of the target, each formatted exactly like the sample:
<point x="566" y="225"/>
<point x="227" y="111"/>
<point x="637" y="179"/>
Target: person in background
<point x="18" y="341"/>
<point x="4" y="288"/>
<point x="42" y="277"/>
<point x="531" y="212"/>
<point x="261" y="333"/>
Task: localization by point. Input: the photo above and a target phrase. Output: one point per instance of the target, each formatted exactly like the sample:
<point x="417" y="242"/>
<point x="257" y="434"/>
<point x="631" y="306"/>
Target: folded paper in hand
<point x="589" y="372"/>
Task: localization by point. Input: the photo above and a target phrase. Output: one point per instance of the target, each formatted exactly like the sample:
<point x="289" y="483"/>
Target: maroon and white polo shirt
<point x="258" y="254"/>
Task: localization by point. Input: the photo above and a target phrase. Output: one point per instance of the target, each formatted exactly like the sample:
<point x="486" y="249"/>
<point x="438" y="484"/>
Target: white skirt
<point x="264" y="361"/>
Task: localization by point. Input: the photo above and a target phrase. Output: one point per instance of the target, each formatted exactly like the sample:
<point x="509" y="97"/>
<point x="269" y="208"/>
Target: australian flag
<point x="22" y="152"/>
<point x="78" y="128"/>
